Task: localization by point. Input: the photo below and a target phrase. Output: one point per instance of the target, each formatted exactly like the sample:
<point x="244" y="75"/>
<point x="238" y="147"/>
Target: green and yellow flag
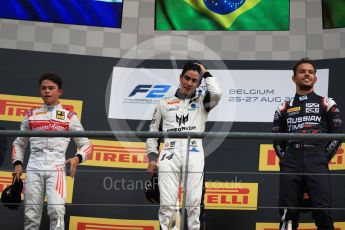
<point x="222" y="14"/>
<point x="333" y="13"/>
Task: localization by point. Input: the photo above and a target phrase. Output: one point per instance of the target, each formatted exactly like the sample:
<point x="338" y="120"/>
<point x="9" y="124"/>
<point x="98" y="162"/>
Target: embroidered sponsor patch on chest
<point x="60" y="115"/>
<point x="173" y="102"/>
<point x="294" y="109"/>
<point x="193" y="106"/>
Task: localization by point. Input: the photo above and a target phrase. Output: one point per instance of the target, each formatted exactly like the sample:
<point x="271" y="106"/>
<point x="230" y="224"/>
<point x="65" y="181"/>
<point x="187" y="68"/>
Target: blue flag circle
<point x="223" y="6"/>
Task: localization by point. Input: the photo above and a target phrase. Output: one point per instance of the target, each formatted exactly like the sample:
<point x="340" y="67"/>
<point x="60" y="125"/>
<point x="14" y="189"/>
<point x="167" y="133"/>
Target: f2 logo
<point x="154" y="91"/>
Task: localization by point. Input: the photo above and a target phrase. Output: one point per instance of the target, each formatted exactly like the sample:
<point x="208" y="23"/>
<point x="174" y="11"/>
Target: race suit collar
<point x="52" y="107"/>
<point x="304" y="97"/>
<point x="183" y="96"/>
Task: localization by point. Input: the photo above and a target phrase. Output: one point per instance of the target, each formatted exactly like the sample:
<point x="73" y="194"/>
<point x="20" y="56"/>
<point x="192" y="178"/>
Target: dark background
<point x="86" y="78"/>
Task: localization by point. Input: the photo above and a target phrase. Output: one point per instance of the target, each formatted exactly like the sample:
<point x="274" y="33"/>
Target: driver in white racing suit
<point x="184" y="112"/>
<point x="45" y="172"/>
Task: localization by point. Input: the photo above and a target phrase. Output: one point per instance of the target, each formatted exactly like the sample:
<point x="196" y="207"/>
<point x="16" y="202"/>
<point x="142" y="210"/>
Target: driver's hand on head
<point x="203" y="69"/>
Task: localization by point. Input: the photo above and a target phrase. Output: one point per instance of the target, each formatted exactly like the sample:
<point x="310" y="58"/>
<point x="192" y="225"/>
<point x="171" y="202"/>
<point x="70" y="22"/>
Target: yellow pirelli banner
<point x="118" y="154"/>
<point x="302" y="226"/>
<point x="6" y="180"/>
<point x="231" y="195"/>
<point x="14" y="107"/>
<point x="84" y="223"/>
<point x="268" y="161"/>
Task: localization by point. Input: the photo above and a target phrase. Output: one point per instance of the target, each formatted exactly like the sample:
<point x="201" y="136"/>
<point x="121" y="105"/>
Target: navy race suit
<point x="309" y="113"/>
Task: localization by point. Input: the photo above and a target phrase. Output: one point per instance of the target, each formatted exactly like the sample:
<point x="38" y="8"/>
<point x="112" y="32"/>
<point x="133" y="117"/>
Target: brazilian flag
<point x="222" y="15"/>
<point x="333" y="13"/>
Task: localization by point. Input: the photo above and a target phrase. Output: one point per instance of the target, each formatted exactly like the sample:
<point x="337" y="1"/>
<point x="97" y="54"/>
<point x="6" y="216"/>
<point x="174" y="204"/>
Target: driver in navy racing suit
<point x="307" y="112"/>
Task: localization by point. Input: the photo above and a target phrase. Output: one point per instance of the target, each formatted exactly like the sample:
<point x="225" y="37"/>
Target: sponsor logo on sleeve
<point x="84" y="223"/>
<point x="14" y="108"/>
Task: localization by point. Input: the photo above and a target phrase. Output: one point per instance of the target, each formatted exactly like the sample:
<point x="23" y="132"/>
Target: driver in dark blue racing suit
<point x="307" y="112"/>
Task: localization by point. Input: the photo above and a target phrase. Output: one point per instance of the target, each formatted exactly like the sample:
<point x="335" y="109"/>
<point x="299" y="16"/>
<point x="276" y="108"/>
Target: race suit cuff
<point x="17" y="163"/>
<point x="152" y="156"/>
<point x="206" y="75"/>
<point x="80" y="157"/>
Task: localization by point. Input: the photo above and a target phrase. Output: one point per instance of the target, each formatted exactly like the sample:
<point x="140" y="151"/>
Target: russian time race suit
<point x="45" y="172"/>
<point x="182" y="114"/>
<point x="309" y="113"/>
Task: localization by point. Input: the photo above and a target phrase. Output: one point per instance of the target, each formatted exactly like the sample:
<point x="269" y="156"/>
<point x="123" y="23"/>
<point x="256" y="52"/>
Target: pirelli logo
<point x="268" y="160"/>
<point x="118" y="154"/>
<point x="227" y="196"/>
<point x="14" y="108"/>
<point x="302" y="226"/>
<point x="6" y="180"/>
<point x="84" y="223"/>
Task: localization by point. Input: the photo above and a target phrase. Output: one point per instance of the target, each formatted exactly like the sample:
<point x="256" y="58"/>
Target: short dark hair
<point x="51" y="77"/>
<point x="189" y="65"/>
<point x="303" y="61"/>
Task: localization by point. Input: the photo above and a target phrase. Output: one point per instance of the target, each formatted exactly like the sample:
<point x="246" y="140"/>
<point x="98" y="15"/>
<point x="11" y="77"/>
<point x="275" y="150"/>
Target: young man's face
<point x="50" y="92"/>
<point x="189" y="81"/>
<point x="305" y="77"/>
